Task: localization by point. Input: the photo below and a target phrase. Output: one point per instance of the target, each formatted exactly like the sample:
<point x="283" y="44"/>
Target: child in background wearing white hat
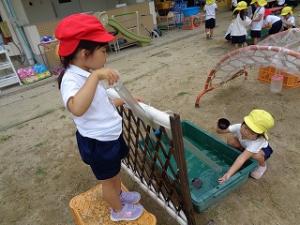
<point x="250" y="137"/>
<point x="257" y="19"/>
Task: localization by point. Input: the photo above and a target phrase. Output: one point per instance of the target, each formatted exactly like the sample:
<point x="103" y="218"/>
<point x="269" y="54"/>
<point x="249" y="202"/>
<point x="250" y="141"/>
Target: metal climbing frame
<point x="149" y="161"/>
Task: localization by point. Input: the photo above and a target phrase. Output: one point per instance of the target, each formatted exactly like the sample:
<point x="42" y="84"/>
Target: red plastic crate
<point x="192" y="22"/>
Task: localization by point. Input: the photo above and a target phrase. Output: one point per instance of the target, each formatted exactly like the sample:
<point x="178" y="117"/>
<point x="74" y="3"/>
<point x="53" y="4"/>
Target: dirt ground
<point x="40" y="168"/>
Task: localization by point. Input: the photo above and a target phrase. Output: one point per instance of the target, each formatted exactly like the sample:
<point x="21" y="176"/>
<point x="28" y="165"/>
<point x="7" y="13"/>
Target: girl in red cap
<point x="274" y="23"/>
<point x="82" y="47"/>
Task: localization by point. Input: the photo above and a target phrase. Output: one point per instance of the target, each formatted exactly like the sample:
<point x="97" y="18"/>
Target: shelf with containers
<point x="8" y="75"/>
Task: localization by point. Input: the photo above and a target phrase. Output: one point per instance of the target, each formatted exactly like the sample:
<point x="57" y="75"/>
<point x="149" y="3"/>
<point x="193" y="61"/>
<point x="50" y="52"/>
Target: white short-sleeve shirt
<point x="101" y="121"/>
<point x="234" y="3"/>
<point x="239" y="26"/>
<point x="290" y="21"/>
<point x="271" y="19"/>
<point x="210" y="11"/>
<point x="250" y="145"/>
<point x="257" y="25"/>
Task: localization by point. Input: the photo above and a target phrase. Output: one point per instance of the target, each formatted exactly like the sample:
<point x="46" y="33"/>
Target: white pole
<point x="158" y="117"/>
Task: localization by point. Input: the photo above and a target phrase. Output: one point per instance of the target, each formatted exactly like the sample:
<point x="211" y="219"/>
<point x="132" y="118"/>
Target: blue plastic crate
<point x="191" y="11"/>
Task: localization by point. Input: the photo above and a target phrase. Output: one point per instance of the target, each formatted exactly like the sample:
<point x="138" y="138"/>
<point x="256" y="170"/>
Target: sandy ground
<point x="40" y="168"/>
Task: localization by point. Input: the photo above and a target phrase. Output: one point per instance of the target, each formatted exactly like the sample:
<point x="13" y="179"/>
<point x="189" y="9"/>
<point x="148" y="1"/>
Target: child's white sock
<point x="259" y="172"/>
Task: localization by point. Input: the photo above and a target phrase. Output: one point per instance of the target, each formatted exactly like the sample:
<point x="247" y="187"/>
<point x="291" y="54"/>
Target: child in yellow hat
<point x="250" y="137"/>
<point x="257" y="19"/>
<point x="210" y="17"/>
<point x="288" y="19"/>
<point x="239" y="25"/>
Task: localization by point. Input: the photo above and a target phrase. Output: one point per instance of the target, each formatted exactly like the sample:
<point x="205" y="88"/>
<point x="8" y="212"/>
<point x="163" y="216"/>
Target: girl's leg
<point x="117" y="182"/>
<point x="245" y="44"/>
<point x="211" y="32"/>
<point x="111" y="192"/>
<point x="255" y="40"/>
<point x="207" y="33"/>
<point x="262" y="166"/>
<point x="130" y="197"/>
<point x="260" y="157"/>
<point x="234" y="142"/>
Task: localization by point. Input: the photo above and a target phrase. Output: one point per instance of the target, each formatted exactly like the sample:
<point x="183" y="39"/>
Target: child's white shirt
<point x="101" y="121"/>
<point x="280" y="2"/>
<point x="253" y="146"/>
<point x="239" y="26"/>
<point x="289" y="22"/>
<point x="234" y="3"/>
<point x="257" y="25"/>
<point x="271" y="19"/>
<point x="210" y="11"/>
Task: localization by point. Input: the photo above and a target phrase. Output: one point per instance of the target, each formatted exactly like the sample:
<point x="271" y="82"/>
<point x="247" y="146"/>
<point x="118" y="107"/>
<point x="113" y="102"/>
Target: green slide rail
<point x="142" y="40"/>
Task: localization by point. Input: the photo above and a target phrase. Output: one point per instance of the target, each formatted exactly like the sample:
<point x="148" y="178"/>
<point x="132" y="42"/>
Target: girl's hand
<point x="112" y="76"/>
<point x="224" y="178"/>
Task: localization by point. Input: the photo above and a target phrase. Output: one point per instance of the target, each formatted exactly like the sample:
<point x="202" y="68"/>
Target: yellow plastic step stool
<point x="89" y="208"/>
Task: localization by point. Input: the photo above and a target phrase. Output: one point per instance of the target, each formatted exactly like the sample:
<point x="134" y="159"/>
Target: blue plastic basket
<point x="190" y="11"/>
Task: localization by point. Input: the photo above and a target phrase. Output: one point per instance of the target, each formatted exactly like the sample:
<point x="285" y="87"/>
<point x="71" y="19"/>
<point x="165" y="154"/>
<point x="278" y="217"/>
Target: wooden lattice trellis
<point x="156" y="159"/>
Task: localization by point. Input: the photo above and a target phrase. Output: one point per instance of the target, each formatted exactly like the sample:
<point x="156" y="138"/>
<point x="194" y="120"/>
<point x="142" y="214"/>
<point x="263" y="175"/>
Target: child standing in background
<point x="233" y="4"/>
<point x="210" y="17"/>
<point x="257" y="19"/>
<point x="272" y="22"/>
<point x="287" y="18"/>
<point x="251" y="138"/>
<point x="239" y="25"/>
<point x="82" y="47"/>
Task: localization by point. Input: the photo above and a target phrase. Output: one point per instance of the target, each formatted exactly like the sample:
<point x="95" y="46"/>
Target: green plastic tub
<point x="208" y="158"/>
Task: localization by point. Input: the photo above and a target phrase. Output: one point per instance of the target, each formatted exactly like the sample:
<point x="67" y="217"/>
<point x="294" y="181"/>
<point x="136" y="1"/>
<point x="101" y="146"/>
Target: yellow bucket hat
<point x="209" y="2"/>
<point x="262" y="2"/>
<point x="286" y="10"/>
<point x="240" y="6"/>
<point x="252" y="2"/>
<point x="259" y="121"/>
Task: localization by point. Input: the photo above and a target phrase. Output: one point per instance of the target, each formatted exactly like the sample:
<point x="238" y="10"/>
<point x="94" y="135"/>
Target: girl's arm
<point x="79" y="103"/>
<point x="238" y="163"/>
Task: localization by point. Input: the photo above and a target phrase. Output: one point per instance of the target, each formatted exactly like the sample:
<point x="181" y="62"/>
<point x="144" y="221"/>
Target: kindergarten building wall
<point x="40" y="17"/>
<point x="37" y="11"/>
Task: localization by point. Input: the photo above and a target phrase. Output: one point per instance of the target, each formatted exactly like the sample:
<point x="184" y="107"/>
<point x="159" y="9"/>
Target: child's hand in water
<point x="111" y="75"/>
<point x="225" y="177"/>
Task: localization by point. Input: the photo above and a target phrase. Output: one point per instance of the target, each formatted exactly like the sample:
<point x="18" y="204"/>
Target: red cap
<point x="76" y="27"/>
<point x="268" y="12"/>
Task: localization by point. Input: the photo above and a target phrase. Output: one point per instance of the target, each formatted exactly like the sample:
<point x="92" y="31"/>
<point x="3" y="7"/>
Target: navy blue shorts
<point x="238" y="39"/>
<point x="210" y="23"/>
<point x="276" y="27"/>
<point x="104" y="157"/>
<point x="268" y="151"/>
<point x="255" y="33"/>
